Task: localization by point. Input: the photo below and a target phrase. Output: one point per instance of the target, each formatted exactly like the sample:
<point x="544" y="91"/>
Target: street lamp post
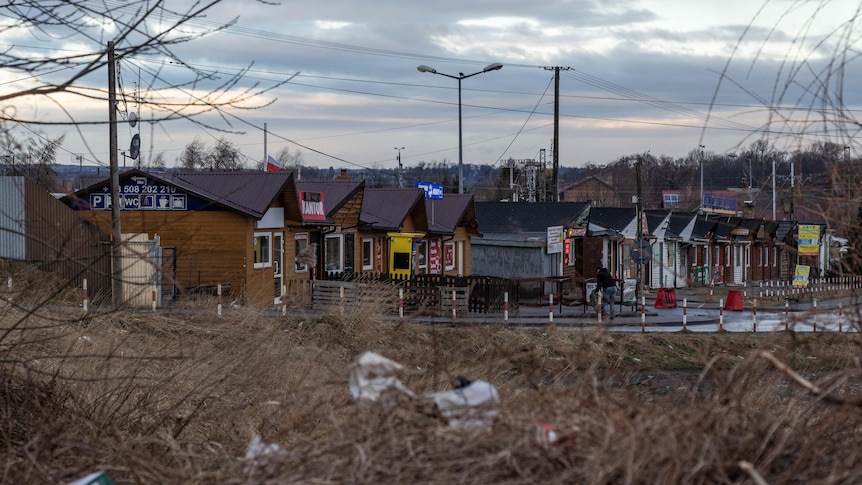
<point x="490" y="67"/>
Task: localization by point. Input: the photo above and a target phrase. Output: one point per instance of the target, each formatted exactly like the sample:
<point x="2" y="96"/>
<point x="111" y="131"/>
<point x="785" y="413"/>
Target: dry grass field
<point x="177" y="398"/>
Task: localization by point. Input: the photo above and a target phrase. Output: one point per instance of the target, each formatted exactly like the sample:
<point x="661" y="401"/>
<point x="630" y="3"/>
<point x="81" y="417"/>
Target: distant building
<point x="591" y="189"/>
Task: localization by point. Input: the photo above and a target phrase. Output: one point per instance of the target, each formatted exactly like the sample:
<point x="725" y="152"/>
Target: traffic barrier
<point x="665" y="298"/>
<point x="734" y="301"/>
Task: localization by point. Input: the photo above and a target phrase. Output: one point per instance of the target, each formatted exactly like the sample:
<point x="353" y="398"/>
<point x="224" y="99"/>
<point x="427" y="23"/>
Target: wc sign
<point x="103" y="201"/>
<point x="432" y="191"/>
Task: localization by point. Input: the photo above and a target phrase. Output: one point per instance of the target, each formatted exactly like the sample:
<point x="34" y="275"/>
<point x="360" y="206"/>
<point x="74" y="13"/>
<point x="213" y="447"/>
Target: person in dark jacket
<point x="608" y="286"/>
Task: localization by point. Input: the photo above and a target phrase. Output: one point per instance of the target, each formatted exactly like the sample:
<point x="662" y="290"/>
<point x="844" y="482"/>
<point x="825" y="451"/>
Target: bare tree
<point x="194" y="155"/>
<point x="224" y="156"/>
<point x="130" y="25"/>
<point x="159" y="162"/>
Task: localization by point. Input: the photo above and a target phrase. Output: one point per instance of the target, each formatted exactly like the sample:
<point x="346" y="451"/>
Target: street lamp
<point x="490" y="67"/>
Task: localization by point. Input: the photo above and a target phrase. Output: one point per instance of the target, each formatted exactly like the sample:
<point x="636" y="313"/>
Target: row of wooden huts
<point x="264" y="236"/>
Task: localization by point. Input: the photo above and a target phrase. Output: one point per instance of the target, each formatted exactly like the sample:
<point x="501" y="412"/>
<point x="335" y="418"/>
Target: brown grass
<point x="176" y="398"/>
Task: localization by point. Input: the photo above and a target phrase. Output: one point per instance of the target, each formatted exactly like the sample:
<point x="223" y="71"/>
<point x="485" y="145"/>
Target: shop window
<point x="262" y="250"/>
<point x="401" y="261"/>
<point x="367" y="254"/>
<point x="301" y="245"/>
<point x="421" y="257"/>
<point x="449" y="256"/>
<point x="334" y="250"/>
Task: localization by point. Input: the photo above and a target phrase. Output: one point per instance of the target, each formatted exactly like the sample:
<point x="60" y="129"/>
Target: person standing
<point x="608" y="285"/>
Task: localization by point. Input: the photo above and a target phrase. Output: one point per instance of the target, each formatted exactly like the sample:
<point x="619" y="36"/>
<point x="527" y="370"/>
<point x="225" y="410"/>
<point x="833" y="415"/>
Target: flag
<point x="272" y="165"/>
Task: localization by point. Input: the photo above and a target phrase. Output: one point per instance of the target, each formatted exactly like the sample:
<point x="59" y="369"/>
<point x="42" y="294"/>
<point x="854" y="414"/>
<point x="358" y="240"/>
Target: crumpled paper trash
<point x="469" y="404"/>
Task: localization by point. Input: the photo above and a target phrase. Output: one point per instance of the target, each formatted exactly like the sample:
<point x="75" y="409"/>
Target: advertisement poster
<point x="449" y="256"/>
<point x="435" y="265"/>
<point x="630" y="291"/>
<point x="809" y="239"/>
<point x="800" y="278"/>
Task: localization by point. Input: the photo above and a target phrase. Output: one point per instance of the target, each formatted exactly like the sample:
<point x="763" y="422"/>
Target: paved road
<point x="830" y="315"/>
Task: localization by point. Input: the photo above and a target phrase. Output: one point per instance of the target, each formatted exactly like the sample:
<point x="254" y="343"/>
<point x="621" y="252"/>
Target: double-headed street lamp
<point x="490" y="67"/>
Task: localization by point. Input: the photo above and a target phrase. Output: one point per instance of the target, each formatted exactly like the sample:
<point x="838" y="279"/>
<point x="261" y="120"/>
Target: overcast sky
<point x="663" y="76"/>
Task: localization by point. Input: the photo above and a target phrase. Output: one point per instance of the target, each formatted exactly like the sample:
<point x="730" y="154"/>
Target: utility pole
<point x="116" y="235"/>
<point x="640" y="208"/>
<point x="555" y="181"/>
<point x="400" y="169"/>
<point x="700" y="203"/>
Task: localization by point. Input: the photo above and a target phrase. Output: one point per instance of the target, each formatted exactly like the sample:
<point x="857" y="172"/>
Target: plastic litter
<point x="98" y="478"/>
<point x="258" y="454"/>
<point x="472" y="404"/>
<point x="469" y="404"/>
<point x="372" y="377"/>
<point x="556" y="445"/>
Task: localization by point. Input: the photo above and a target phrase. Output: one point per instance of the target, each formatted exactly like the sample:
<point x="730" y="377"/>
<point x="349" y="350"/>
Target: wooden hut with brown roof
<point x="227" y="227"/>
<point x="326" y="225"/>
<point x="391" y="221"/>
<point x="451" y="223"/>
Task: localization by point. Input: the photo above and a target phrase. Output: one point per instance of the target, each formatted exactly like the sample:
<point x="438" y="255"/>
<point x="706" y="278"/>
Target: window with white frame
<point x="301" y="244"/>
<point x="422" y="257"/>
<point x="367" y="254"/>
<point x="774" y="257"/>
<point x="334" y="250"/>
<point x="449" y="256"/>
<point x="262" y="249"/>
<point x="671" y="201"/>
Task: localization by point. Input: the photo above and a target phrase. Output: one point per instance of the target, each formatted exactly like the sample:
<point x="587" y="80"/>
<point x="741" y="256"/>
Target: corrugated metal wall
<point x="12" y="218"/>
<point x="55" y="238"/>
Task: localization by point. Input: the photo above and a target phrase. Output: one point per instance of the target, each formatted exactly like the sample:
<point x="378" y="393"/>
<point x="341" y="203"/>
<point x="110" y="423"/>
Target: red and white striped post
<point x="341" y="300"/>
<point x="506" y="308"/>
<point x="720" y="314"/>
<point x="550" y="309"/>
<point x="86" y="304"/>
<point x="283" y="300"/>
<point x="643" y="314"/>
<point x="154" y="297"/>
<point x="453" y="307"/>
<point x="814" y="316"/>
<point x="599" y="314"/>
<point x="754" y="315"/>
<point x="400" y="303"/>
<point x="218" y="291"/>
<point x="786" y="314"/>
<point x="684" y="314"/>
<point x="840" y="314"/>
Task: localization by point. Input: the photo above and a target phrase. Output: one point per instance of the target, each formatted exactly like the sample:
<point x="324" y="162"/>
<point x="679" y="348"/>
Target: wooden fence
<point x="426" y="294"/>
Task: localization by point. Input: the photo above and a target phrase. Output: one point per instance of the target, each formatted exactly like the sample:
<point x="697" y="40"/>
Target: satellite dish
<point x="133" y="119"/>
<point x="135" y="147"/>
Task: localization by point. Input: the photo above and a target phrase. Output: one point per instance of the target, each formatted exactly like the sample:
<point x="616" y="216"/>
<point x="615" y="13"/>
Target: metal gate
<point x="142" y="270"/>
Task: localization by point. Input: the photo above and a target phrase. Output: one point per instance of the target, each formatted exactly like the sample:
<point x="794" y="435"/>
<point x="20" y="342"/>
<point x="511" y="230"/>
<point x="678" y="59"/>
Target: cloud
<point x="638" y="75"/>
